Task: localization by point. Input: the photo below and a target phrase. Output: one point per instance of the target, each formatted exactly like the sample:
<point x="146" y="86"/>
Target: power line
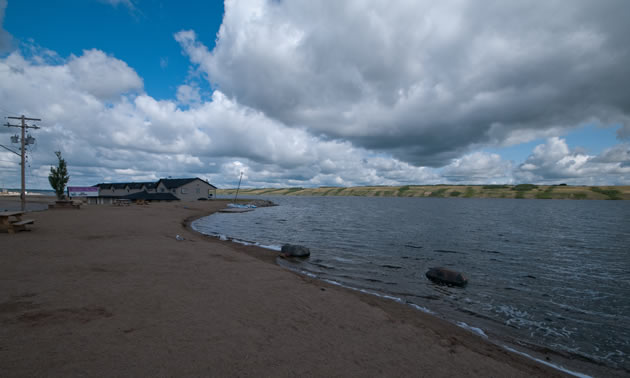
<point x="8" y="149"/>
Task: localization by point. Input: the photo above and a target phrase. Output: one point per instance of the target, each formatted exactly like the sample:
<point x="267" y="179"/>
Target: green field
<point x="521" y="191"/>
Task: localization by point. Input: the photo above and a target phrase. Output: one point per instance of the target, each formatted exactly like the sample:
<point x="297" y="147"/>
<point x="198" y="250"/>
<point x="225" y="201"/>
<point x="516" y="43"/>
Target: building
<point x="125" y="188"/>
<point x="185" y="189"/>
<point x="188" y="189"/>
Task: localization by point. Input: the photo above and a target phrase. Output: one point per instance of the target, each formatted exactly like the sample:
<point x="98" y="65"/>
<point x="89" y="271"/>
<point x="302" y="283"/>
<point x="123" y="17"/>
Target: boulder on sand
<point x="290" y="250"/>
<point x="447" y="276"/>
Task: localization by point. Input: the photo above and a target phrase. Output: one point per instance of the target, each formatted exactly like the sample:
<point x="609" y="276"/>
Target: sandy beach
<point x="109" y="291"/>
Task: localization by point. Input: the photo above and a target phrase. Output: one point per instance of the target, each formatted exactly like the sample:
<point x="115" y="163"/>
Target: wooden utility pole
<point x="23" y="126"/>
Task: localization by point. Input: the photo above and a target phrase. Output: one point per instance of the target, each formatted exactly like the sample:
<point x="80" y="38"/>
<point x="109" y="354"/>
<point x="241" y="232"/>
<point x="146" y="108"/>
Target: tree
<point x="58" y="177"/>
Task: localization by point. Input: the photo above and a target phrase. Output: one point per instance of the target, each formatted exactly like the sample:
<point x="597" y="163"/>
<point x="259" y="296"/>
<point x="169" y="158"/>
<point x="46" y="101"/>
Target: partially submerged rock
<point x="291" y="250"/>
<point x="447" y="276"/>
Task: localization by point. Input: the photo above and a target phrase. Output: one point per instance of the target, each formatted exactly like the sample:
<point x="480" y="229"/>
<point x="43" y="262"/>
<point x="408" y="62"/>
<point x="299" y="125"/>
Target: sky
<point x="308" y="93"/>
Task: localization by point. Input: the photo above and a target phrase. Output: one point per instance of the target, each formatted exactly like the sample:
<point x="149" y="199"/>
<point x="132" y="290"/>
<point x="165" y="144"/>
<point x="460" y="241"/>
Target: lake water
<point x="542" y="273"/>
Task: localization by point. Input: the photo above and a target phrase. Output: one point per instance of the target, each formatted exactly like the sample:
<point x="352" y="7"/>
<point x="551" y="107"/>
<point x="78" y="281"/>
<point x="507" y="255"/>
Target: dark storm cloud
<point x="425" y="81"/>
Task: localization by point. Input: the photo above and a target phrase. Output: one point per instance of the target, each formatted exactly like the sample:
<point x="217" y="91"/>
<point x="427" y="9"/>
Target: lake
<point x="542" y="273"/>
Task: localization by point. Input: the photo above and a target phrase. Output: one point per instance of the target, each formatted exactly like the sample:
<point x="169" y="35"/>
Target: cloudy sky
<point x="319" y="93"/>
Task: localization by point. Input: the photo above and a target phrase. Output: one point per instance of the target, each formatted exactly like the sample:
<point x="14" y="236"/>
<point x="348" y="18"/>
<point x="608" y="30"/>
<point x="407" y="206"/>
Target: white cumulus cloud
<point x="103" y="76"/>
<point x="554" y="162"/>
<point x="110" y="130"/>
<point x="479" y="168"/>
<point x="424" y="81"/>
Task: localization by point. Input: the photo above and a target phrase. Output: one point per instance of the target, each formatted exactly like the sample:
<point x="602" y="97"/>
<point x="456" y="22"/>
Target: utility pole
<point x="23" y="126"/>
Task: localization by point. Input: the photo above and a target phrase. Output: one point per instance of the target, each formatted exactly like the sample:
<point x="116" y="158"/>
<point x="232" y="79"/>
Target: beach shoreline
<point x="573" y="364"/>
<point x="111" y="291"/>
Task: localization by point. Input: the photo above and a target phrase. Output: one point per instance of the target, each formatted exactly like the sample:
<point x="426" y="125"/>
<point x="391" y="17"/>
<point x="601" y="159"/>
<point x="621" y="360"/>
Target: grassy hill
<point x="523" y="191"/>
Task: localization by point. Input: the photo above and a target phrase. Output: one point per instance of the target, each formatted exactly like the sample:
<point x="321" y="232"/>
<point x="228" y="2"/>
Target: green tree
<point x="58" y="177"/>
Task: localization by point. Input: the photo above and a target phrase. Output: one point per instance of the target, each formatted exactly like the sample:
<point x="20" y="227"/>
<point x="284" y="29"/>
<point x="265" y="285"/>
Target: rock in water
<point x="291" y="250"/>
<point x="447" y="276"/>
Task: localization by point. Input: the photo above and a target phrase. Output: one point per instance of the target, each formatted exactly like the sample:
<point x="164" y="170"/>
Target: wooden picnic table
<point x="122" y="202"/>
<point x="12" y="221"/>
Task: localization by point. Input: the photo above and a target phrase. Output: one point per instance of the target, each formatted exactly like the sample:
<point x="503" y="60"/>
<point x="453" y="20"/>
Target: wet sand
<point x="109" y="291"/>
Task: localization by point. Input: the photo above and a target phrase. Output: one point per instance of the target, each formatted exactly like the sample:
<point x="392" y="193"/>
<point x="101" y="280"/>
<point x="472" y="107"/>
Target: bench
<point x="15" y="224"/>
<point x="21" y="225"/>
<point x="23" y="222"/>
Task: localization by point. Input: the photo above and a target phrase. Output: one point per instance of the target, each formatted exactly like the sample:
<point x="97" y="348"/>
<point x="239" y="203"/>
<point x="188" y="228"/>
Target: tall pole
<point x="239" y="186"/>
<point x="23" y="126"/>
<point x="23" y="157"/>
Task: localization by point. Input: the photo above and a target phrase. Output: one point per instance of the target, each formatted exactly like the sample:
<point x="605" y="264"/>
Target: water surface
<point x="544" y="274"/>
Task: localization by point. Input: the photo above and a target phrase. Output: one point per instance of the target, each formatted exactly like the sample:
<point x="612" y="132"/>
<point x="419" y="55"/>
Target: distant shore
<point x="110" y="290"/>
<point x="522" y="191"/>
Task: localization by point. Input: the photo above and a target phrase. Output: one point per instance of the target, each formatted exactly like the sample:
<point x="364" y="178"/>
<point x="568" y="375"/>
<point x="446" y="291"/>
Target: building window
<point x="174" y="190"/>
<point x="162" y="190"/>
<point x="184" y="191"/>
<point x="198" y="190"/>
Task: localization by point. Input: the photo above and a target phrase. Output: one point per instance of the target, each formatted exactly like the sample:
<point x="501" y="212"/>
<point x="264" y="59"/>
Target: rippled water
<point x="552" y="274"/>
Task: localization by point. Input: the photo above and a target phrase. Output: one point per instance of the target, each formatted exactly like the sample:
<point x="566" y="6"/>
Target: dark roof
<point x="176" y="183"/>
<point x="139" y="185"/>
<point x="169" y="183"/>
<point x="117" y="185"/>
<point x="123" y="185"/>
<point x="151" y="196"/>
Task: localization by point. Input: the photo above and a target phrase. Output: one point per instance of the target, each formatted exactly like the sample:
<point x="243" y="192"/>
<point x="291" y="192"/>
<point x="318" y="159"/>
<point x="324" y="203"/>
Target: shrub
<point x="438" y="193"/>
<point x="612" y="194"/>
<point x="496" y="186"/>
<point x="403" y="189"/>
<point x="455" y="193"/>
<point x="524" y="187"/>
<point x="579" y="195"/>
<point x="469" y="192"/>
<point x="546" y="194"/>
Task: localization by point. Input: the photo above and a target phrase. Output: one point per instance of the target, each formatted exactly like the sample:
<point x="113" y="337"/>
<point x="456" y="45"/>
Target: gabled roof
<point x="169" y="183"/>
<point x="176" y="183"/>
<point x="123" y="185"/>
<point x="151" y="196"/>
<point x="139" y="185"/>
<point x="117" y="185"/>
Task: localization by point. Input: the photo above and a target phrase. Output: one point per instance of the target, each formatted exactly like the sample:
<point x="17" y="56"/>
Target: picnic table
<point x="12" y="221"/>
<point x="122" y="202"/>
